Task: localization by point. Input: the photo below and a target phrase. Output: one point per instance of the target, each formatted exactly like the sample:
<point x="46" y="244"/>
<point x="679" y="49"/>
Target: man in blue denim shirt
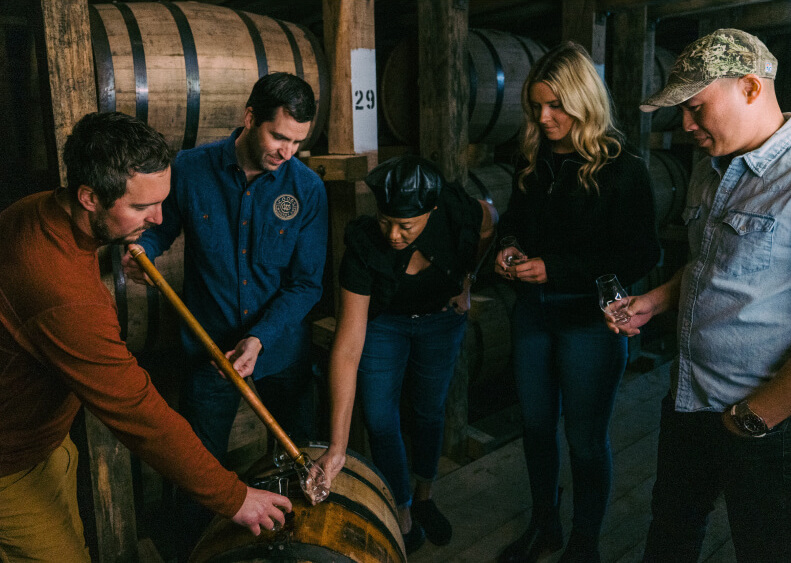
<point x="255" y="227"/>
<point x="725" y="424"/>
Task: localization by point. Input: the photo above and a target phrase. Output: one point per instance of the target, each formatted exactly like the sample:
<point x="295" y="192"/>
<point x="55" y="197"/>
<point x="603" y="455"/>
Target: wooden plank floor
<point x="488" y="500"/>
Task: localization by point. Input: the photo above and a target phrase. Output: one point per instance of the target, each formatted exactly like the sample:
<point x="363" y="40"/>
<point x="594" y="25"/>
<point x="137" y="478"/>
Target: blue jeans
<point x="697" y="460"/>
<point x="425" y="348"/>
<point x="210" y="403"/>
<point x="566" y="359"/>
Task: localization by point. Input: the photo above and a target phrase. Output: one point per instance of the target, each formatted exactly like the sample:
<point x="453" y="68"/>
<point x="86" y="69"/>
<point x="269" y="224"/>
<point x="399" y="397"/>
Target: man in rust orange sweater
<point x="60" y="347"/>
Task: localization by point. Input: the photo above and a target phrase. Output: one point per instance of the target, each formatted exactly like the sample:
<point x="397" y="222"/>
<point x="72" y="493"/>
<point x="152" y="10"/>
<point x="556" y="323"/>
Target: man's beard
<point x="101" y="231"/>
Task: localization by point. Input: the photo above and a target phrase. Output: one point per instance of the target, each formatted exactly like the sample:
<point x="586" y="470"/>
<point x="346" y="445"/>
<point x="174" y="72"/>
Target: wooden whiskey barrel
<point x="487" y="344"/>
<point x="491" y="183"/>
<point x="187" y="68"/>
<point x="148" y="322"/>
<point x="358" y="521"/>
<point x="498" y="64"/>
<point x="669" y="179"/>
<point x="663" y="119"/>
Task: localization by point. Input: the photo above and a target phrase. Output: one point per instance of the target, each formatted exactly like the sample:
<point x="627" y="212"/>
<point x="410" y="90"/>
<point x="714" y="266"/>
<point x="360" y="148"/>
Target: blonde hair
<point x="569" y="72"/>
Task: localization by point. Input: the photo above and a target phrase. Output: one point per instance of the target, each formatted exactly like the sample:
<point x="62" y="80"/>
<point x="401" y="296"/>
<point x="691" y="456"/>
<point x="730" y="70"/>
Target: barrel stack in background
<point x="187" y="68"/>
<point x="669" y="179"/>
<point x="498" y="64"/>
<point x="663" y="119"/>
<point x="24" y="168"/>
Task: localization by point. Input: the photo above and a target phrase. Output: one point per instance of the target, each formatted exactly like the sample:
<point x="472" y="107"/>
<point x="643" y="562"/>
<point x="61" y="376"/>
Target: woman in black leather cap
<point x="405" y="279"/>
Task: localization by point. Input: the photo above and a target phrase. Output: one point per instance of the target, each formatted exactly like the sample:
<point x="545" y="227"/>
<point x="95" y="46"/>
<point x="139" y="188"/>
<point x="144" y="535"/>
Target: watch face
<point x="748" y="421"/>
<point x="753" y="423"/>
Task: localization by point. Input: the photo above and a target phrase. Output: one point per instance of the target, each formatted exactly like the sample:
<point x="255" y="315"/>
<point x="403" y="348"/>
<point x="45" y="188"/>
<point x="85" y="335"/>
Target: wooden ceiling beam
<point x="618" y="5"/>
<point x="658" y="9"/>
<point x="766" y="15"/>
<point x="689" y="7"/>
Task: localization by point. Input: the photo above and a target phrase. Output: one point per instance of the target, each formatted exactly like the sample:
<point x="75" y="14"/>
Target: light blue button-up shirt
<point x="254" y="252"/>
<point x="734" y="323"/>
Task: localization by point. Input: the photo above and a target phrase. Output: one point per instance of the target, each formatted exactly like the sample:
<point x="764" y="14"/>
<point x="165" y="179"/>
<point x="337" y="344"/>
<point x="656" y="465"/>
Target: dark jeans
<point x="210" y="403"/>
<point x="697" y="460"/>
<point x="426" y="348"/>
<point x="564" y="356"/>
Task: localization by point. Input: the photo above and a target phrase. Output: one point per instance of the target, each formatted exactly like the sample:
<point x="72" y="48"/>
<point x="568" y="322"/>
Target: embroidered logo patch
<point x="286" y="207"/>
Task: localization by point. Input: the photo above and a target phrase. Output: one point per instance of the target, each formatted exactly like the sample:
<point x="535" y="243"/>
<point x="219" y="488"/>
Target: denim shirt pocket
<point x="276" y="245"/>
<point x="745" y="245"/>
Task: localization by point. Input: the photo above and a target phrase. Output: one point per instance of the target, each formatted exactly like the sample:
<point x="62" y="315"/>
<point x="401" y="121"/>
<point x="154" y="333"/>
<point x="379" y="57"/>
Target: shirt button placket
<point x="245" y="240"/>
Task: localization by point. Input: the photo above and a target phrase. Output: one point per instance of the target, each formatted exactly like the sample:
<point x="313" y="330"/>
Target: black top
<point x="449" y="242"/>
<point x="581" y="235"/>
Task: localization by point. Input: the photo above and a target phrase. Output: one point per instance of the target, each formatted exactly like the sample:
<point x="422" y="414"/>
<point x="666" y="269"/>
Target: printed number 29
<point x="364" y="100"/>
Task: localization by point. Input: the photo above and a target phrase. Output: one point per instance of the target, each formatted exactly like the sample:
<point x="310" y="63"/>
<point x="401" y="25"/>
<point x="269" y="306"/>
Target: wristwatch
<point x="747" y="421"/>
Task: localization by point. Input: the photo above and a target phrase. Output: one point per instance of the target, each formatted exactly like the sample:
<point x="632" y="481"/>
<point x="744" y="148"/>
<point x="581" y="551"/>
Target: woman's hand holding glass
<point x="511" y="253"/>
<point x="513" y="264"/>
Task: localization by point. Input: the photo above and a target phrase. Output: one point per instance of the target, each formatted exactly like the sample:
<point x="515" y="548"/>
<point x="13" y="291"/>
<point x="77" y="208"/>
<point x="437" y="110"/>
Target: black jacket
<point x="581" y="235"/>
<point x="449" y="241"/>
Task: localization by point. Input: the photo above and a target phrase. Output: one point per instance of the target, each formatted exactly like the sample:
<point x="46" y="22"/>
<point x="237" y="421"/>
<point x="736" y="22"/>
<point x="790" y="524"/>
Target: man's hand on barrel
<point x="132" y="269"/>
<point x="262" y="509"/>
<point x="331" y="461"/>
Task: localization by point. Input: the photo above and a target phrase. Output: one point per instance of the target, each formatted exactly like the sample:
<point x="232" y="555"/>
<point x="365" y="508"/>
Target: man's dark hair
<point x="105" y="149"/>
<point x="281" y="89"/>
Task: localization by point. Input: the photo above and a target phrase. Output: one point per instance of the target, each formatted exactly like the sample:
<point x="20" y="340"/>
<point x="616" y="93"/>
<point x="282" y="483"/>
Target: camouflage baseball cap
<point x="724" y="53"/>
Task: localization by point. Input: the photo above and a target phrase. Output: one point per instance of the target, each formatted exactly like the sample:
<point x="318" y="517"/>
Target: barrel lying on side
<point x="491" y="183"/>
<point x="669" y="179"/>
<point x="148" y="322"/>
<point x="498" y="64"/>
<point x="187" y="68"/>
<point x="357" y="522"/>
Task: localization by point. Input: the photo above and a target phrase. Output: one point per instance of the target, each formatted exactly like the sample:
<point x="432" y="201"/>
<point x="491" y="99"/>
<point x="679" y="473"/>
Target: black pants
<point x="697" y="460"/>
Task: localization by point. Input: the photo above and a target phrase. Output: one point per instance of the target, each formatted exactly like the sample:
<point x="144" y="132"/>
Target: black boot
<point x="544" y="535"/>
<point x="581" y="549"/>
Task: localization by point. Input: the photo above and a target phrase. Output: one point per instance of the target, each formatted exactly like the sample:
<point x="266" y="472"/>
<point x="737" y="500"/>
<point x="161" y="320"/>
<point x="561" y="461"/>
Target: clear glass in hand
<point x="512" y="252"/>
<point x="279" y="485"/>
<point x="613" y="298"/>
<point x="280" y="457"/>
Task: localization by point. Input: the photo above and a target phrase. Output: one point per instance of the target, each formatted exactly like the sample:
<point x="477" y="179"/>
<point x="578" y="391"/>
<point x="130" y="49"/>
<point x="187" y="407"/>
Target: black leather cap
<point x="405" y="186"/>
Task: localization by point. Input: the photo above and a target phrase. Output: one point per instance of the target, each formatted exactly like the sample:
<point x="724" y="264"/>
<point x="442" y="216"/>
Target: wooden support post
<point x="444" y="101"/>
<point x="583" y="24"/>
<point x="113" y="497"/>
<point x="349" y="44"/>
<point x="68" y="79"/>
<point x="69" y="92"/>
<point x="340" y="173"/>
<point x="633" y="67"/>
<point x="444" y="85"/>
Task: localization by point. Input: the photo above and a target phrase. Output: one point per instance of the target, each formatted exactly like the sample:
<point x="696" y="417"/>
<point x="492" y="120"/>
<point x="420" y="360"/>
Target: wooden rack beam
<point x="690" y="7"/>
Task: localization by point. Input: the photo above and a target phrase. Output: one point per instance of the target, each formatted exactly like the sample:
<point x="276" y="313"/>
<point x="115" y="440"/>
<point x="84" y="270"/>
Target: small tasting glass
<point x="512" y="252"/>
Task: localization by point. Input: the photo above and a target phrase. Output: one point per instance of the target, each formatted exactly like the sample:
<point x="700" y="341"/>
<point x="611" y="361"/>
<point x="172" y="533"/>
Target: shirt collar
<point x="229" y="159"/>
<point x="62" y="224"/>
<point x="762" y="158"/>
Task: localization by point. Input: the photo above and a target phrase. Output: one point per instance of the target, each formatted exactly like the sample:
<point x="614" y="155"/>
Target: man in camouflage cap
<point x="726" y="53"/>
<point x="725" y="424"/>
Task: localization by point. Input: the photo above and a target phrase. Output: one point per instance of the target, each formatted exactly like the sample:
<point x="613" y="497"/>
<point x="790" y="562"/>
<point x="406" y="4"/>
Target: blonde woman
<point x="581" y="207"/>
